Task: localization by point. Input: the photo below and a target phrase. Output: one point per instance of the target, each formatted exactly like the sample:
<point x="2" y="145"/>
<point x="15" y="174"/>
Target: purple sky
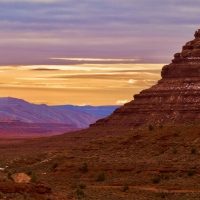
<point x="151" y="31"/>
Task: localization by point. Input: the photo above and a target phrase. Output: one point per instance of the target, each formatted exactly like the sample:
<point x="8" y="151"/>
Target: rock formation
<point x="174" y="99"/>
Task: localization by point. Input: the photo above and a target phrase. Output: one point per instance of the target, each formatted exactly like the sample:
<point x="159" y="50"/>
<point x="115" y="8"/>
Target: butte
<point x="175" y="99"/>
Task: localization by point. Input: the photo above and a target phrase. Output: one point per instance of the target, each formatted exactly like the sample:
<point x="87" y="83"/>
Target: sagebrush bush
<point x="193" y="150"/>
<point x="55" y="165"/>
<point x="151" y="127"/>
<point x="79" y="193"/>
<point x="101" y="176"/>
<point x="82" y="185"/>
<point x="125" y="188"/>
<point x="33" y="178"/>
<point x="84" y="168"/>
<point x="191" y="172"/>
<point x="174" y="150"/>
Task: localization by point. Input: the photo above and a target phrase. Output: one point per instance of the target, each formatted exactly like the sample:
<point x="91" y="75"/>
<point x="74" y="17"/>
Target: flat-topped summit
<point x="174" y="99"/>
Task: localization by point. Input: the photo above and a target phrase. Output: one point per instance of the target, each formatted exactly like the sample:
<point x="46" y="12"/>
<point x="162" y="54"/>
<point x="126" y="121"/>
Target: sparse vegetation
<point x="160" y="126"/>
<point x="138" y="171"/>
<point x="48" y="198"/>
<point x="29" y="173"/>
<point x="33" y="178"/>
<point x="151" y="127"/>
<point x="82" y="185"/>
<point x="9" y="175"/>
<point x="156" y="179"/>
<point x="55" y="165"/>
<point x="79" y="193"/>
<point x="84" y="168"/>
<point x="174" y="150"/>
<point x="74" y="185"/>
<point x="125" y="188"/>
<point x="166" y="177"/>
<point x="101" y="176"/>
<point x="191" y="172"/>
<point x="193" y="150"/>
<point x="176" y="133"/>
<point x="161" y="194"/>
<point x="162" y="152"/>
<point x="1" y="195"/>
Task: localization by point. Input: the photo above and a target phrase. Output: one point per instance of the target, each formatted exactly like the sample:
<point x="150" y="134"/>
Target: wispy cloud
<point x="121" y="102"/>
<point x="96" y="59"/>
<point x="34" y="31"/>
<point x="131" y="81"/>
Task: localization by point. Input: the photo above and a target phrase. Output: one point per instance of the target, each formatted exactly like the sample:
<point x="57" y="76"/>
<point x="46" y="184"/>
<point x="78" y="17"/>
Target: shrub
<point x="74" y="185"/>
<point x="160" y="126"/>
<point x="48" y="198"/>
<point x="79" y="193"/>
<point x="84" y="168"/>
<point x="161" y="194"/>
<point x="55" y="165"/>
<point x="101" y="176"/>
<point x="174" y="150"/>
<point x="138" y="171"/>
<point x="82" y="185"/>
<point x="166" y="177"/>
<point x="191" y="172"/>
<point x="156" y="179"/>
<point x="1" y="195"/>
<point x="125" y="188"/>
<point x="33" y="178"/>
<point x="29" y="173"/>
<point x="9" y="175"/>
<point x="175" y="134"/>
<point x="193" y="150"/>
<point x="151" y="127"/>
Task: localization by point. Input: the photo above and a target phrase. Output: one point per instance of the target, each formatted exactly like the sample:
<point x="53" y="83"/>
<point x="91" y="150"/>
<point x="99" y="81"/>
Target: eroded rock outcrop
<point x="174" y="99"/>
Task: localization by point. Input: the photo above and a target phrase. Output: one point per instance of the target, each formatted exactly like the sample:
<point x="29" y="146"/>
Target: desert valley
<point x="147" y="149"/>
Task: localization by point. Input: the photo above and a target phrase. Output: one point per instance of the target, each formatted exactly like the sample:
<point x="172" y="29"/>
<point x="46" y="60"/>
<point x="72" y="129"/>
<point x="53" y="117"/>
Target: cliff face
<point x="174" y="99"/>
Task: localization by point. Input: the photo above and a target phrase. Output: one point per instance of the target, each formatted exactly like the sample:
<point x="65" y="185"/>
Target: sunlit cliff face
<point x="80" y="84"/>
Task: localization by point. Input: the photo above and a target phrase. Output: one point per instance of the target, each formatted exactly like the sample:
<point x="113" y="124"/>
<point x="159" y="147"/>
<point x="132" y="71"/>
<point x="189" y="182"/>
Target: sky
<point x="89" y="51"/>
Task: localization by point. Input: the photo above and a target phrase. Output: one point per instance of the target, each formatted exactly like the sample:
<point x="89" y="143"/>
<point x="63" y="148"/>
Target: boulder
<point x="20" y="178"/>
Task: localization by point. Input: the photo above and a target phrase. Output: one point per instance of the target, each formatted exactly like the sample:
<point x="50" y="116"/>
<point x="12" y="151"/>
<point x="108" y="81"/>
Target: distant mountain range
<point x="102" y="111"/>
<point x="20" y="117"/>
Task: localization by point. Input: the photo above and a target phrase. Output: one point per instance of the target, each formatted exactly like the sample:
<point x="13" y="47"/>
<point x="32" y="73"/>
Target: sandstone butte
<point x="175" y="99"/>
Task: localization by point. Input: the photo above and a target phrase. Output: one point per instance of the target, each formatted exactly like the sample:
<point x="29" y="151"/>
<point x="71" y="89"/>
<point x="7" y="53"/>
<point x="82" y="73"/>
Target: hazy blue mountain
<point x="19" y="116"/>
<point x="102" y="111"/>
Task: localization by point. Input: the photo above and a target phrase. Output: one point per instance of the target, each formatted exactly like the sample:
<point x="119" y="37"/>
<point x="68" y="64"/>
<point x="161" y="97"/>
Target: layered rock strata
<point x="174" y="99"/>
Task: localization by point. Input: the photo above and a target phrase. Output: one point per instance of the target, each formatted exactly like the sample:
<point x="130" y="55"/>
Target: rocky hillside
<point x="112" y="159"/>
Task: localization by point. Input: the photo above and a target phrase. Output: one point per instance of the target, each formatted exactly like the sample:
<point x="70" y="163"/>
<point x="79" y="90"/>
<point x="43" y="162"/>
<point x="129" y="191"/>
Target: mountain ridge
<point x="32" y="115"/>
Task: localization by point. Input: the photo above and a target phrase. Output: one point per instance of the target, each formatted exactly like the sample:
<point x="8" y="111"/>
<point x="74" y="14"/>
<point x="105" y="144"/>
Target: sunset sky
<point x="98" y="52"/>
